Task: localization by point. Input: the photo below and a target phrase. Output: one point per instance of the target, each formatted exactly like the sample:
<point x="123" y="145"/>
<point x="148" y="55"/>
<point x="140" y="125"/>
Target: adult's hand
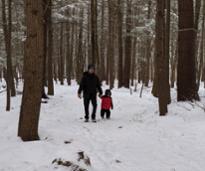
<point x="79" y="96"/>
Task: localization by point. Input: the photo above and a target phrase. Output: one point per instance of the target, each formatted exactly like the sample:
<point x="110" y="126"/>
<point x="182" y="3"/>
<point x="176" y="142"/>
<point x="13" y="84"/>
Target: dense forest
<point x="139" y="65"/>
<point x="156" y="43"/>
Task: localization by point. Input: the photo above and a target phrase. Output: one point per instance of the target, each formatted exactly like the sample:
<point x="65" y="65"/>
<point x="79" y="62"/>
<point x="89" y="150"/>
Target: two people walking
<point x="90" y="86"/>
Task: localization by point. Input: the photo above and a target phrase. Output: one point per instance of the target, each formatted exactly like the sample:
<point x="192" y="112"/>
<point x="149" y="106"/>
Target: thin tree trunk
<point x="79" y="54"/>
<point x="61" y="60"/>
<point x="50" y="50"/>
<point x="148" y="47"/>
<point x="111" y="42"/>
<point x="7" y="28"/>
<point x="200" y="70"/>
<point x="167" y="49"/>
<point x="128" y="42"/>
<point x="102" y="42"/>
<point x="68" y="55"/>
<point x="45" y="6"/>
<point x="94" y="33"/>
<point x="120" y="44"/>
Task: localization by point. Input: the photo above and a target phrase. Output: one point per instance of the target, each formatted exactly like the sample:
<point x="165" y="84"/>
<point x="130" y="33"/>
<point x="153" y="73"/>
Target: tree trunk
<point x="160" y="58"/>
<point x="128" y="44"/>
<point x="79" y="55"/>
<point x="173" y="67"/>
<point x="50" y="50"/>
<point x="120" y="44"/>
<point x="186" y="81"/>
<point x="94" y="33"/>
<point x="45" y="7"/>
<point x="102" y="43"/>
<point x="7" y="28"/>
<point x="201" y="56"/>
<point x="148" y="47"/>
<point x="69" y="58"/>
<point x="61" y="60"/>
<point x="197" y="41"/>
<point x="111" y="43"/>
<point x="167" y="49"/>
<point x="33" y="71"/>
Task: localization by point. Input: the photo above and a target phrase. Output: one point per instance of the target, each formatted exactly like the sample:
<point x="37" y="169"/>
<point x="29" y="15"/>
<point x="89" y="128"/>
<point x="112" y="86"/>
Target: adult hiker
<point x="90" y="86"/>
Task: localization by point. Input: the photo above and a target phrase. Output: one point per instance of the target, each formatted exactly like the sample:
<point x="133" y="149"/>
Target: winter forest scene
<point x="102" y="85"/>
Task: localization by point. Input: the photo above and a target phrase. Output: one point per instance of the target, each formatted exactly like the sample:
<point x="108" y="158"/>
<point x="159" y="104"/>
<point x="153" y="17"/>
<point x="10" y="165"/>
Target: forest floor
<point x="135" y="139"/>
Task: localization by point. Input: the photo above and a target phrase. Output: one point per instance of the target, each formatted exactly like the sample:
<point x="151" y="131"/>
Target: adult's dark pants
<point x="93" y="99"/>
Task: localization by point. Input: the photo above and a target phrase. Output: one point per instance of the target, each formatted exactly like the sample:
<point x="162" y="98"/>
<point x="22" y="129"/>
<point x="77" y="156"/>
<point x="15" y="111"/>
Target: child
<point x="106" y="104"/>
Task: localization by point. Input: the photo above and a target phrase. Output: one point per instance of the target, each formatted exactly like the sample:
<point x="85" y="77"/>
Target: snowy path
<point x="135" y="139"/>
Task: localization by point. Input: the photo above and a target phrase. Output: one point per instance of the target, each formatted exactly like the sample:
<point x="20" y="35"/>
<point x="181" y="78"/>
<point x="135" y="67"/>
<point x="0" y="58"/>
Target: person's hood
<point x="87" y="73"/>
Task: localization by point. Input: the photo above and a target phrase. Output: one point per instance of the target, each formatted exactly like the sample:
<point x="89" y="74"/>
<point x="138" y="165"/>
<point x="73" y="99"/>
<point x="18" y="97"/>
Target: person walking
<point x="90" y="86"/>
<point x="106" y="104"/>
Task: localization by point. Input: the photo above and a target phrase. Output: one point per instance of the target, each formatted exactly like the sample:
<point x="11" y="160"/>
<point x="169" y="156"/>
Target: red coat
<point x="106" y="103"/>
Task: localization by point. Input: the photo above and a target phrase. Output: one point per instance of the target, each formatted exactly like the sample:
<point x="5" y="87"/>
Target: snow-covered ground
<point x="135" y="139"/>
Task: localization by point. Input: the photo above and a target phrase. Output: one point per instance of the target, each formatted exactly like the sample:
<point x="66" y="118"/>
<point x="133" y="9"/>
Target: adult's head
<point x="91" y="69"/>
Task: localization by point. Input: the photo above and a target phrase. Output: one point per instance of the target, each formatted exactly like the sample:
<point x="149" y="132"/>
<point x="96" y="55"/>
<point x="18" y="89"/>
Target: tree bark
<point x="7" y="29"/>
<point x="186" y="80"/>
<point x="201" y="54"/>
<point x="111" y="43"/>
<point x="103" y="43"/>
<point x="160" y="58"/>
<point x="50" y="50"/>
<point x="61" y="57"/>
<point x="79" y="55"/>
<point x="148" y="47"/>
<point x="167" y="48"/>
<point x="33" y="71"/>
<point x="120" y="44"/>
<point x="69" y="58"/>
<point x="94" y="33"/>
<point x="128" y="43"/>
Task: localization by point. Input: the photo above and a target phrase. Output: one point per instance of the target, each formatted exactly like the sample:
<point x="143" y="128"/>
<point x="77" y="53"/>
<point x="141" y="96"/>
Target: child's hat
<point x="108" y="92"/>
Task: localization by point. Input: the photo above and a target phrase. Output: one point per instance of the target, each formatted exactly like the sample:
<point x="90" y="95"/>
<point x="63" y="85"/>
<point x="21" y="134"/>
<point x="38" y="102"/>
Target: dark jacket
<point x="90" y="84"/>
